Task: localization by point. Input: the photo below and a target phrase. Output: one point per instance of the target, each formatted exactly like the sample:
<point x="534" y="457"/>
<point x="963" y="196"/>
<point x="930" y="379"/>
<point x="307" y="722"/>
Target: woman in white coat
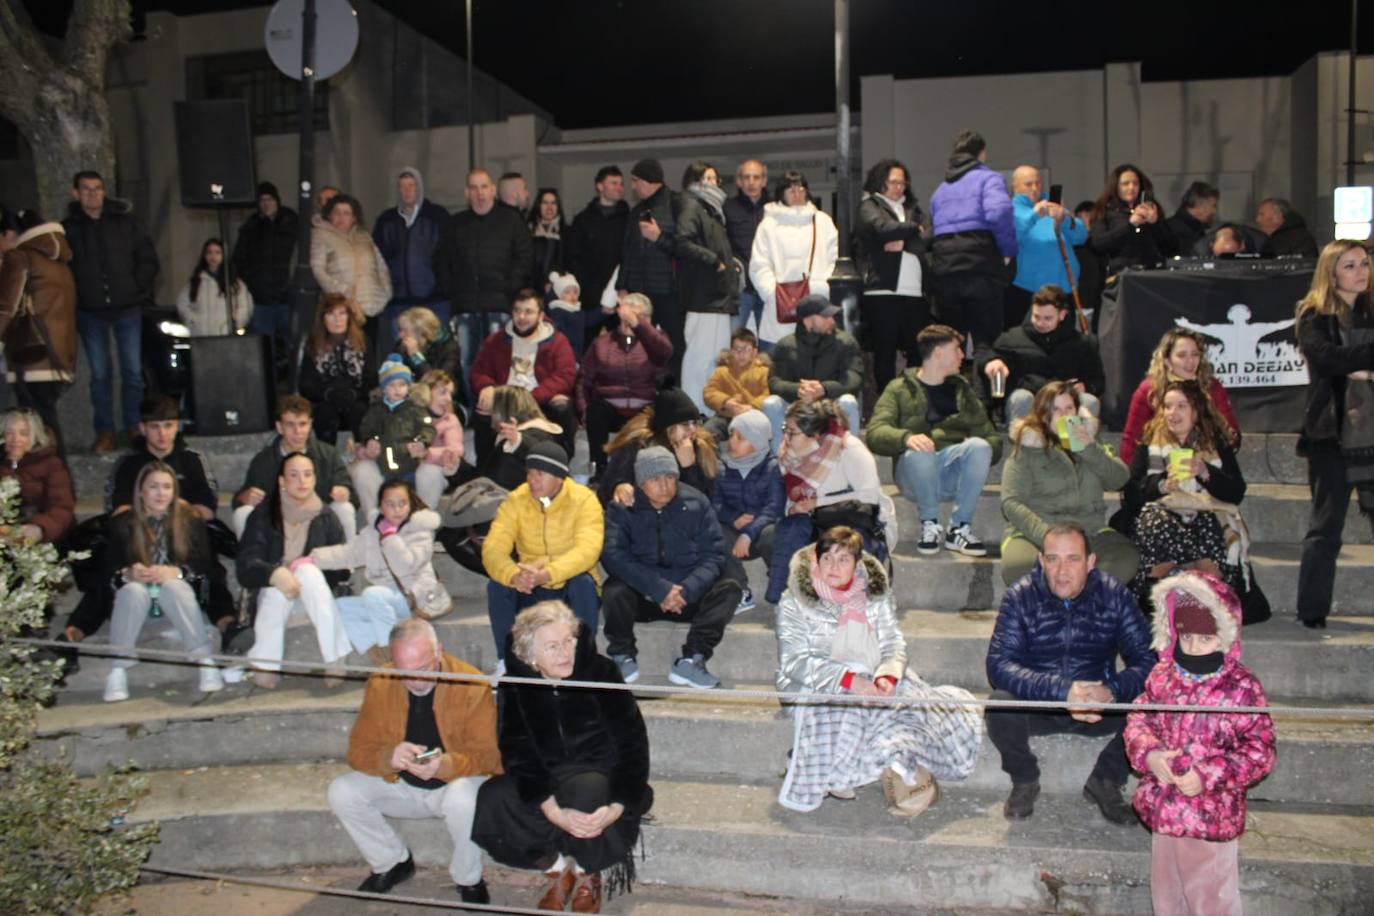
<point x="202" y="301"/>
<point x="344" y="259"/>
<point x="795" y="241"/>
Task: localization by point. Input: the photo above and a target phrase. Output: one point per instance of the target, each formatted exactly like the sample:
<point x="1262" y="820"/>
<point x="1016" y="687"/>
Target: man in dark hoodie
<point x="408" y="235"/>
<point x="114" y="263"/>
<point x="483" y="259"/>
<point x="1045" y="348"/>
<point x="594" y="243"/>
<point x="262" y="258"/>
<point x="1287" y="230"/>
<point x="974" y="242"/>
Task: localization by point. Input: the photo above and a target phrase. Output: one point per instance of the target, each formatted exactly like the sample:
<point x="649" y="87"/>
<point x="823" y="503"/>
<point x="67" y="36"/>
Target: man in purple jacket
<point x="975" y="240"/>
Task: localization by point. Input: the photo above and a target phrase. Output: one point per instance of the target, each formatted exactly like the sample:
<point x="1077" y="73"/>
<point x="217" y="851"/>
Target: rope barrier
<point x="339" y="891"/>
<point x="792" y="698"/>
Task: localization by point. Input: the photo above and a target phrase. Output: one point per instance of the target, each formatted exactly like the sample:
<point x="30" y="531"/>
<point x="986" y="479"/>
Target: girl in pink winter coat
<point x="1197" y="765"/>
<point x="435" y="391"/>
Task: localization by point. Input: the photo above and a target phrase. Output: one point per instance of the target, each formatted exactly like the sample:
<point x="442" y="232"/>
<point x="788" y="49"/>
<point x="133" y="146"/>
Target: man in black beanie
<point x="262" y="258"/>
<point x="646" y="259"/>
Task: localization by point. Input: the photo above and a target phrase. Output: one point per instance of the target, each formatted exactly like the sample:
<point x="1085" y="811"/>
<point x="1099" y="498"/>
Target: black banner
<point x="1245" y="313"/>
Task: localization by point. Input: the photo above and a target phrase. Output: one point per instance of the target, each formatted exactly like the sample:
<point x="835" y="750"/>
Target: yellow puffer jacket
<point x="566" y="536"/>
<point x="750" y="386"/>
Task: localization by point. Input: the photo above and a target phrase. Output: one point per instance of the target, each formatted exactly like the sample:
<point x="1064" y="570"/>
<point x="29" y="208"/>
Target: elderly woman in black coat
<point x="576" y="765"/>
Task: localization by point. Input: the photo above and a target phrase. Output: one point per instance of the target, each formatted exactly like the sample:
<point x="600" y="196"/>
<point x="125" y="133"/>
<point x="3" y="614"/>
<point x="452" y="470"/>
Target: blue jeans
<point x="271" y="319"/>
<point x="471" y="329"/>
<point x="504" y="602"/>
<point x="750" y="306"/>
<point x="369" y="617"/>
<point x="95" y="329"/>
<point x="956" y="472"/>
<point x="775" y="408"/>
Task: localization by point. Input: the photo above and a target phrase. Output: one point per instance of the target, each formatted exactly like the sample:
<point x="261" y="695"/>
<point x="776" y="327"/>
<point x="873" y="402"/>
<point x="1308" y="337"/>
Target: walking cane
<point x="1073" y="284"/>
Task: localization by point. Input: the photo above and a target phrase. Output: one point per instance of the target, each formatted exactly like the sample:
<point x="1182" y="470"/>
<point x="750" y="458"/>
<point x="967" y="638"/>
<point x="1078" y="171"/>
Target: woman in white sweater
<point x="202" y="301"/>
<point x="794" y="240"/>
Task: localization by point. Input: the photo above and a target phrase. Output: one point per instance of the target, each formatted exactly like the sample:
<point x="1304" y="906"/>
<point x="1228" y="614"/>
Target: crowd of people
<point x="691" y="336"/>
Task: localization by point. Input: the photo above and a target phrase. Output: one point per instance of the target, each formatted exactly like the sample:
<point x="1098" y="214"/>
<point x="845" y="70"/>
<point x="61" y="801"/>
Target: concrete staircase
<point x="238" y="778"/>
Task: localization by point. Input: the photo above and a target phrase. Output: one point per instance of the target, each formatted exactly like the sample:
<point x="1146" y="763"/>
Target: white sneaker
<point x="931" y="536"/>
<point x="116" y="686"/>
<point x="210" y="679"/>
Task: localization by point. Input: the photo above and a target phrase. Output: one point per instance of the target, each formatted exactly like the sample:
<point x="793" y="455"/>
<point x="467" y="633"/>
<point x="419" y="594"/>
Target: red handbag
<point x="788" y="294"/>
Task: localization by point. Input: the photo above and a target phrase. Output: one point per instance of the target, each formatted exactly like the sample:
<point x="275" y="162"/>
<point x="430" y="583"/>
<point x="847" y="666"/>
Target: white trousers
<point x="274" y="609"/>
<point x="348" y="517"/>
<point x="706" y="334"/>
<point x="177" y="599"/>
<point x="362" y="803"/>
<point x="430" y="483"/>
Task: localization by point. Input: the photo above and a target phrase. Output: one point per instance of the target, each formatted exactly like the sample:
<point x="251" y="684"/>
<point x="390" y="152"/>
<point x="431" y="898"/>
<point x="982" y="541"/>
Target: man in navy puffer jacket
<point x="974" y="241"/>
<point x="1057" y="638"/>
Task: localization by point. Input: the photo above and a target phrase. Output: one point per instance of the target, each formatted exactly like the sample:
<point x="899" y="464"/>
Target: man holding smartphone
<point x="420" y="747"/>
<point x="1040" y="225"/>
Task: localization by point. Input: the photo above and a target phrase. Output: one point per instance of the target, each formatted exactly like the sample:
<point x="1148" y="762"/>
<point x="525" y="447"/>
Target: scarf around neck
<point x="855" y="643"/>
<point x="803" y="474"/>
<point x="710" y="195"/>
<point x="743" y="465"/>
<point x="295" y="523"/>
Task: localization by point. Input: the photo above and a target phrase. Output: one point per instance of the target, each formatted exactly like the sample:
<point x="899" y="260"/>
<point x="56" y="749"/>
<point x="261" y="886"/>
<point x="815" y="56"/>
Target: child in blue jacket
<point x="748" y="496"/>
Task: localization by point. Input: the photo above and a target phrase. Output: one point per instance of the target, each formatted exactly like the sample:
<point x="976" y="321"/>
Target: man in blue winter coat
<point x="1058" y="634"/>
<point x="407" y="235"/>
<point x="665" y="559"/>
<point x="974" y="242"/>
<point x="1038" y="259"/>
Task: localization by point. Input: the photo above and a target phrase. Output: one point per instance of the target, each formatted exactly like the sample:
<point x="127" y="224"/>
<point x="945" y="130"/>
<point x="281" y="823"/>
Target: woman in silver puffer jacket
<point x="838" y="635"/>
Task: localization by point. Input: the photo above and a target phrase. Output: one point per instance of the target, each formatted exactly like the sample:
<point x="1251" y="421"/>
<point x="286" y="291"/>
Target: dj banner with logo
<point x="1246" y="316"/>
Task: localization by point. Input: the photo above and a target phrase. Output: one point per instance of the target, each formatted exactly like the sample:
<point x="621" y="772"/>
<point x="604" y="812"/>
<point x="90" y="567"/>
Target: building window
<point x="273" y="98"/>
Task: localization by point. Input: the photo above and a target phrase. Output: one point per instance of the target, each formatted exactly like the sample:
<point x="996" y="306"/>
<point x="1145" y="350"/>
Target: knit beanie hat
<point x="548" y="457"/>
<point x="650" y="170"/>
<point x="267" y="187"/>
<point x="1192" y="616"/>
<point x="561" y="282"/>
<point x="753" y="425"/>
<point x="394" y="367"/>
<point x="654" y="461"/>
<point x="672" y="405"/>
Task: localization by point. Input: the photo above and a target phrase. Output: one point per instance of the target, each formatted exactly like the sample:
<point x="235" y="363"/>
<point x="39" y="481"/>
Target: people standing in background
<point x="707" y="274"/>
<point x="344" y="259"/>
<point x="114" y="263"/>
<point x="795" y="241"/>
<point x="407" y="236"/>
<point x="1128" y="229"/>
<point x="1041" y="227"/>
<point x="888" y="245"/>
<point x="263" y="253"/>
<point x="203" y="302"/>
<point x="646" y="258"/>
<point x="548" y="229"/>
<point x="1194" y="216"/>
<point x="514" y="192"/>
<point x="593" y="248"/>
<point x="743" y="212"/>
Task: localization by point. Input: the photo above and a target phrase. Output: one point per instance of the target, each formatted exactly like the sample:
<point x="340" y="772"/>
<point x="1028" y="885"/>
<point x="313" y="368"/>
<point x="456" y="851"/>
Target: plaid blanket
<point x="843" y="746"/>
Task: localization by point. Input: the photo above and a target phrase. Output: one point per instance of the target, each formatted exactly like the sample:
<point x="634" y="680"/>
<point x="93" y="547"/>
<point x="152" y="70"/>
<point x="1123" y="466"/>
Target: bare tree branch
<point x="94" y="27"/>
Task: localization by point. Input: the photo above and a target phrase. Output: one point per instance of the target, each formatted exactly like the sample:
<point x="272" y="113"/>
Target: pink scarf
<point x="803" y="474"/>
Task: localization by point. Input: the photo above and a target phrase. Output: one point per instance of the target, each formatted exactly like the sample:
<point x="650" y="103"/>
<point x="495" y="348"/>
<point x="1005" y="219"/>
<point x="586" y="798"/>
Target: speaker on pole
<point x="232" y="387"/>
<point x="215" y="154"/>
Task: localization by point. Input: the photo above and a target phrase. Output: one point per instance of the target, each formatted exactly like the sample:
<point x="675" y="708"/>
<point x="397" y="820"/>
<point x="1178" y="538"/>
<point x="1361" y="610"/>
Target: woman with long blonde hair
<point x="1335" y="332"/>
<point x="1181" y="354"/>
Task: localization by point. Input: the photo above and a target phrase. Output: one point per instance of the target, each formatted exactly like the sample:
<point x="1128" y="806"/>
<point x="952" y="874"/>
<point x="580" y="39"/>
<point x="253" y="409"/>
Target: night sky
<point x="605" y="62"/>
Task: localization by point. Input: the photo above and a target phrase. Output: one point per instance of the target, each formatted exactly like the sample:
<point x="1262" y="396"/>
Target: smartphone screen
<point x="1056" y="193"/>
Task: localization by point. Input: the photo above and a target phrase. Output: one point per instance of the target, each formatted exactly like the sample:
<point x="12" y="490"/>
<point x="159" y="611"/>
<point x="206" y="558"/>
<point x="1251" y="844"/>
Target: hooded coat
<point x="971" y="219"/>
<point x="749" y="386"/>
<point x="407" y="555"/>
<point x="408" y="247"/>
<point x="349" y="264"/>
<point x="37" y="267"/>
<point x="1036" y="358"/>
<point x="1292" y="239"/>
<point x="1229" y="751"/>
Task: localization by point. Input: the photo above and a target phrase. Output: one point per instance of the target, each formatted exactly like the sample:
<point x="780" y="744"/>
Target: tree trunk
<point x="56" y="96"/>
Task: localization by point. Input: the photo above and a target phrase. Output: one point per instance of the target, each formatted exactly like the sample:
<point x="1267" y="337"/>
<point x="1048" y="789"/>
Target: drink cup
<point x="999" y="384"/>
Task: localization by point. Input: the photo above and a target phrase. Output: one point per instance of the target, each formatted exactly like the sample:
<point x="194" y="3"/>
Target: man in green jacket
<point x="295" y="433"/>
<point x="815" y="361"/>
<point x="942" y="443"/>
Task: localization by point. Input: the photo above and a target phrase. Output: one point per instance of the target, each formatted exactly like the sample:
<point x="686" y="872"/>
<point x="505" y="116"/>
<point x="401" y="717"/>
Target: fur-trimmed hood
<point x="799" y="576"/>
<point x="1209" y="591"/>
<point x="1028" y="436"/>
<point x="762" y="359"/>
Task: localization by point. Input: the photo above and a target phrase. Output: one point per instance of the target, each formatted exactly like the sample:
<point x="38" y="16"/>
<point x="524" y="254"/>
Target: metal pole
<point x="845" y="206"/>
<point x="472" y="117"/>
<point x="304" y="289"/>
<point x="1350" y="100"/>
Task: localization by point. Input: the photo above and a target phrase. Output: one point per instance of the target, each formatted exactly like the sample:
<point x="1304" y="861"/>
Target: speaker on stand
<point x="233" y="377"/>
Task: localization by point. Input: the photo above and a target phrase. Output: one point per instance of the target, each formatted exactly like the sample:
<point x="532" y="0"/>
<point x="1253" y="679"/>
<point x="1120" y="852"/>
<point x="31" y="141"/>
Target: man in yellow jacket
<point x="544" y="544"/>
<point x="420" y="747"/>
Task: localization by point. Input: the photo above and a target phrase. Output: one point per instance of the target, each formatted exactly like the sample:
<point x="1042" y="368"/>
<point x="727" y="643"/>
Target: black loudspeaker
<point x="215" y="153"/>
<point x="232" y="384"/>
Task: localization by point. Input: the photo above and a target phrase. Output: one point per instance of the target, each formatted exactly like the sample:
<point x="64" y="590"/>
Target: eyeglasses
<point x="789" y="433"/>
<point x="896" y="184"/>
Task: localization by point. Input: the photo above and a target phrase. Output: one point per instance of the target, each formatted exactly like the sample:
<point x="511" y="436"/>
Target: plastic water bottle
<point x="154" y="592"/>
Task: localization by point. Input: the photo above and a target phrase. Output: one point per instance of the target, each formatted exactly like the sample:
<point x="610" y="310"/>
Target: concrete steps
<point x="731" y="835"/>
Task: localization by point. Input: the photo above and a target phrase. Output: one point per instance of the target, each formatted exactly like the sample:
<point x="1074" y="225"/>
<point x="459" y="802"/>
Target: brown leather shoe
<point x="104" y="444"/>
<point x="587" y="897"/>
<point x="560" y="889"/>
